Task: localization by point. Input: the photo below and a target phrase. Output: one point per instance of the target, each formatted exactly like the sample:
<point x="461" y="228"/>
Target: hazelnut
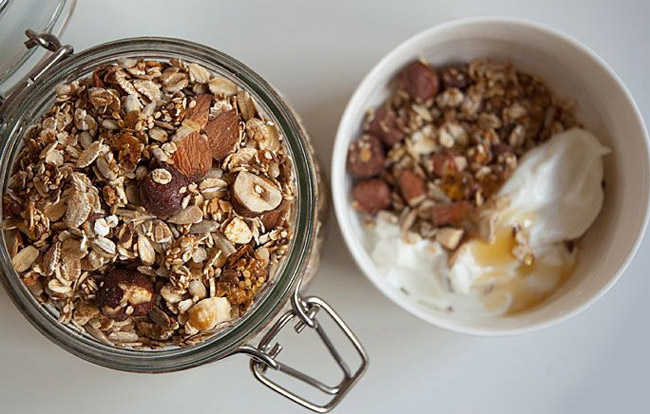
<point x="253" y="195"/>
<point x="419" y="81"/>
<point x="125" y="293"/>
<point x="366" y="157"/>
<point x="162" y="200"/>
<point x="384" y="126"/>
<point x="370" y="196"/>
<point x="412" y="187"/>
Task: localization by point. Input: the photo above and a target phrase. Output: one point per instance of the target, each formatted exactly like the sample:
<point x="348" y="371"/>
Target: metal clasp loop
<point x="264" y="357"/>
<point x="47" y="41"/>
<point x="44" y="40"/>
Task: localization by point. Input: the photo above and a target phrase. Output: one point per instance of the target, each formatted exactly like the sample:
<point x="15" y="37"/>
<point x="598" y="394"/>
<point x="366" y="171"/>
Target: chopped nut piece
<point x="449" y="237"/>
<point x="205" y="226"/>
<point x="208" y="313"/>
<point x="444" y="164"/>
<point x="275" y="217"/>
<point x="238" y="232"/>
<point x="197" y="288"/>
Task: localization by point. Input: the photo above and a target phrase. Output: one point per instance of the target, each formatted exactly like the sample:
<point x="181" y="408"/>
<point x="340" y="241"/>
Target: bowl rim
<point x="343" y="210"/>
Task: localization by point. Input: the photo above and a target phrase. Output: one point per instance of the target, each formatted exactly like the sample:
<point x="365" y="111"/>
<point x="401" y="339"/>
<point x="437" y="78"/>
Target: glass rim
<point x="21" y="114"/>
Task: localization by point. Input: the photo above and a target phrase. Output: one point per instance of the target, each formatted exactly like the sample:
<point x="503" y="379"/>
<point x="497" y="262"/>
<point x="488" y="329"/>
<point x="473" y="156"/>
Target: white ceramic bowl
<point x="604" y="105"/>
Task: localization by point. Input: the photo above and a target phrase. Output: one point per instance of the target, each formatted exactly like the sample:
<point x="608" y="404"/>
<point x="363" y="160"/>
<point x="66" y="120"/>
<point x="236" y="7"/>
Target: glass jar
<point x="30" y="98"/>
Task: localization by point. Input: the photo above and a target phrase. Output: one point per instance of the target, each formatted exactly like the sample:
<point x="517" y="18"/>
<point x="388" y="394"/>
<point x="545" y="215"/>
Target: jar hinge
<point x="44" y="40"/>
<point x="264" y="356"/>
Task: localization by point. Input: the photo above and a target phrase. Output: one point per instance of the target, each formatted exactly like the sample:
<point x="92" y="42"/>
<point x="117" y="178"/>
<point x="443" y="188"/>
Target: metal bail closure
<point x="264" y="356"/>
<point x="47" y="41"/>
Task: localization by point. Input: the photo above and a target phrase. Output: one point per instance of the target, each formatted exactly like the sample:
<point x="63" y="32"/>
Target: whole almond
<point x="192" y="157"/>
<point x="198" y="111"/>
<point x="223" y="134"/>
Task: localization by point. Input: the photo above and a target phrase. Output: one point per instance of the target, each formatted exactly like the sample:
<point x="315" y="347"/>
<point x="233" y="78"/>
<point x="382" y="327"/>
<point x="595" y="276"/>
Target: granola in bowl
<point x="476" y="183"/>
<point x="151" y="203"/>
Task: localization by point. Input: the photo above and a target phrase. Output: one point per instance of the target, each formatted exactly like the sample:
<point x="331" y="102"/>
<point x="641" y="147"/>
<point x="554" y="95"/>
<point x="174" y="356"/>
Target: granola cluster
<point x="446" y="140"/>
<point x="150" y="204"/>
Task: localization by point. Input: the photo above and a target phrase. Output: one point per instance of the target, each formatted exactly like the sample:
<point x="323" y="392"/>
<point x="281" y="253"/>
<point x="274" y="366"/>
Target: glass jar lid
<point x="16" y="16"/>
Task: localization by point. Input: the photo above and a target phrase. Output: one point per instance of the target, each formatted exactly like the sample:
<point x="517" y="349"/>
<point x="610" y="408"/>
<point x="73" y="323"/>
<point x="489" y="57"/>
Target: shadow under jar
<point x="25" y="104"/>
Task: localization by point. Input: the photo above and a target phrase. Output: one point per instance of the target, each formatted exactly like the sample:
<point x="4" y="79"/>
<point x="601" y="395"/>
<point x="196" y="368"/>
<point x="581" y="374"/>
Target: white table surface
<point x="316" y="53"/>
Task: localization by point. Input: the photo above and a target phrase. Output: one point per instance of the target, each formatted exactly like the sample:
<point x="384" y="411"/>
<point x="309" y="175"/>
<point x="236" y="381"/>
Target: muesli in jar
<point x="151" y="203"/>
